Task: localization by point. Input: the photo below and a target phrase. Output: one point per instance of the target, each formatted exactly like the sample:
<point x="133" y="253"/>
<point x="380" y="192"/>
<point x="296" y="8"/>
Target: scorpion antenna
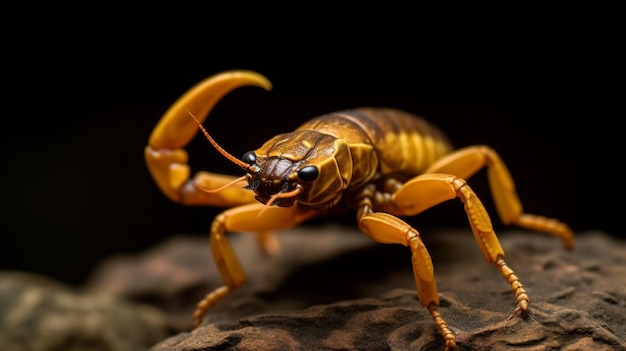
<point x="217" y="147"/>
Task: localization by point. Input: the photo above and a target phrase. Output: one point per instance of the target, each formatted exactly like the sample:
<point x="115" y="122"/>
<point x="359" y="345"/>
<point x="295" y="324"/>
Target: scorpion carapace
<point x="382" y="163"/>
<point x="314" y="167"/>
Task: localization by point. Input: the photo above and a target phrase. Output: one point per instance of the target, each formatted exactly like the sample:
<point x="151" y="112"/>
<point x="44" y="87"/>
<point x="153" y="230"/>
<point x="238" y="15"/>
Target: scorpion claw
<point x="166" y="158"/>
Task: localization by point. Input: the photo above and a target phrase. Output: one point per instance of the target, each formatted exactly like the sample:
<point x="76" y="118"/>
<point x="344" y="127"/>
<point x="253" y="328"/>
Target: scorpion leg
<point x="416" y="196"/>
<point x="388" y="229"/>
<point x="467" y="161"/>
<point x="242" y="219"/>
<point x="436" y="188"/>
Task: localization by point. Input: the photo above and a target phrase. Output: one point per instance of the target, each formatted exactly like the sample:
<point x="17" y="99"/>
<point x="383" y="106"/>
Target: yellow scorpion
<point x="382" y="163"/>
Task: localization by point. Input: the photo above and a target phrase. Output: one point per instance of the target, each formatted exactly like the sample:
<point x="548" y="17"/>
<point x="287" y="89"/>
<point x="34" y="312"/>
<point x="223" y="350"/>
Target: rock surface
<point x="39" y="314"/>
<point x="332" y="288"/>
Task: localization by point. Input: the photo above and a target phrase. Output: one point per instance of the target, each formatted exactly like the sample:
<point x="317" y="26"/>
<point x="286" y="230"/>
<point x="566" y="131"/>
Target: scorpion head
<point x="306" y="166"/>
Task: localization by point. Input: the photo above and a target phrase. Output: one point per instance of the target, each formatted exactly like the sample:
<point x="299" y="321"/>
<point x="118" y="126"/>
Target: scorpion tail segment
<point x="176" y="129"/>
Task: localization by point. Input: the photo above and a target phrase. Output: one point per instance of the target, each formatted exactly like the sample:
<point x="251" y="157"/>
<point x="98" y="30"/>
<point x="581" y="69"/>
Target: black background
<point x="81" y="101"/>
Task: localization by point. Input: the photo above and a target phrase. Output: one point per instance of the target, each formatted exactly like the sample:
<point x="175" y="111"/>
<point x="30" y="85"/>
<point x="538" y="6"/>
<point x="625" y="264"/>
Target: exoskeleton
<point x="382" y="163"/>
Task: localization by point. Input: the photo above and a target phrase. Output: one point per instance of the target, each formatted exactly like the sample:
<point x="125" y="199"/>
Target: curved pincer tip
<point x="176" y="129"/>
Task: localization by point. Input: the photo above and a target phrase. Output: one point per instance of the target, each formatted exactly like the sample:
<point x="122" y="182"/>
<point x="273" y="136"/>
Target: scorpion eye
<point x="308" y="173"/>
<point x="249" y="158"/>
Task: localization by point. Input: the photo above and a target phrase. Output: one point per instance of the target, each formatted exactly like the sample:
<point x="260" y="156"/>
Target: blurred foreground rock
<point x="39" y="314"/>
<point x="332" y="288"/>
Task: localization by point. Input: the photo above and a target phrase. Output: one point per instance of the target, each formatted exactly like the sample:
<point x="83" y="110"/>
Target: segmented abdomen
<point x="404" y="142"/>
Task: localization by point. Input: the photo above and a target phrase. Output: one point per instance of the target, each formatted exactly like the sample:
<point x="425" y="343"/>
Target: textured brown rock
<point x="39" y="314"/>
<point x="178" y="273"/>
<point x="332" y="288"/>
<point x="170" y="277"/>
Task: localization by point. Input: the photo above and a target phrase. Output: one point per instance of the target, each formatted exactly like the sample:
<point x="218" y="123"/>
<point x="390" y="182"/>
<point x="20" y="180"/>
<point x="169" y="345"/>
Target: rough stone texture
<point x="332" y="288"/>
<point x="172" y="276"/>
<point x="39" y="314"/>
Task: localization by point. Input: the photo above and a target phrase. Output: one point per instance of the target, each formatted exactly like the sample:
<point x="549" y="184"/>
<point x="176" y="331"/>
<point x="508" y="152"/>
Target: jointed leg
<point x="466" y="162"/>
<point x="432" y="189"/>
<point x="243" y="218"/>
<point x="386" y="228"/>
<point x="418" y="195"/>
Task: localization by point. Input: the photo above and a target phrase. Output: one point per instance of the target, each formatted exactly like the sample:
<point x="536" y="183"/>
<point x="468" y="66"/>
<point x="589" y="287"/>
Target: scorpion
<point x="381" y="163"/>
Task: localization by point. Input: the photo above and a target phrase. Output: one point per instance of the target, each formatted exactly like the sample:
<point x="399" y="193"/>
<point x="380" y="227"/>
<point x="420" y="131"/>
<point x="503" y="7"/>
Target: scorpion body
<point x="403" y="143"/>
<point x="357" y="147"/>
<point x="382" y="163"/>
